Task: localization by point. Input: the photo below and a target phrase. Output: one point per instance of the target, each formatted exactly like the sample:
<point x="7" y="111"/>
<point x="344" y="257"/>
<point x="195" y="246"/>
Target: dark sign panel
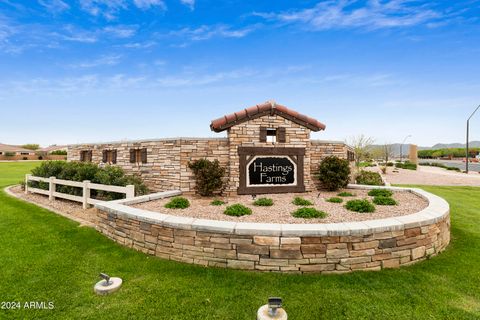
<point x="271" y="171"/>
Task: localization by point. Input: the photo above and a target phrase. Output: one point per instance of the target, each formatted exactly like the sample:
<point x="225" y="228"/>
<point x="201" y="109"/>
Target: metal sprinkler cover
<point x="264" y="313"/>
<point x="107" y="285"/>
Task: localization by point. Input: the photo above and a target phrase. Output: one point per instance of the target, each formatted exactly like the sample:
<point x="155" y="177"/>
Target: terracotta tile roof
<point x="269" y="107"/>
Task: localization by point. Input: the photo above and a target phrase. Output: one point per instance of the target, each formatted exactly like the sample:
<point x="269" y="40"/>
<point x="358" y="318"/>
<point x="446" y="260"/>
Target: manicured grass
<point x="44" y="257"/>
<point x="14" y="172"/>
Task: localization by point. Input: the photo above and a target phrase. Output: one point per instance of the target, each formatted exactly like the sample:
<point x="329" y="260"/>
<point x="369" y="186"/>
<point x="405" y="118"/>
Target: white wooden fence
<point x="85" y="199"/>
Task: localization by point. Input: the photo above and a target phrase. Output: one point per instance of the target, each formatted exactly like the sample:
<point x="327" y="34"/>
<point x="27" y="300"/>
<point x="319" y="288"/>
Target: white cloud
<point x="110" y="8"/>
<point x="140" y="45"/>
<point x="147" y="4"/>
<point x="375" y="14"/>
<point x="106" y="60"/>
<point x="54" y="6"/>
<point x="189" y="3"/>
<point x="205" y="32"/>
<point x="121" y="31"/>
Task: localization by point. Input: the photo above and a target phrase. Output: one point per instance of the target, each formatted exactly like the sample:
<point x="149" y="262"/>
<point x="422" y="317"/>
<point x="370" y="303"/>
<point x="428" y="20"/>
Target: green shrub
<point x="9" y="154"/>
<point x="80" y="171"/>
<point x="369" y="178"/>
<point x="298" y="201"/>
<point x="345" y="194"/>
<point x="237" y="210"/>
<point x="384" y="201"/>
<point x="178" y="203"/>
<point x="360" y="206"/>
<point x="263" y="202"/>
<point x="208" y="176"/>
<point x="309" y="213"/>
<point x="406" y="165"/>
<point x="334" y="173"/>
<point x="380" y="192"/>
<point x="334" y="200"/>
<point x="217" y="202"/>
<point x="59" y="153"/>
<point x="453" y="169"/>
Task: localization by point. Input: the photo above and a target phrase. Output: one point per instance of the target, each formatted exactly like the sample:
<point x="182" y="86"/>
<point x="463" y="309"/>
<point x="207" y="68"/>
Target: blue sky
<point x="97" y="70"/>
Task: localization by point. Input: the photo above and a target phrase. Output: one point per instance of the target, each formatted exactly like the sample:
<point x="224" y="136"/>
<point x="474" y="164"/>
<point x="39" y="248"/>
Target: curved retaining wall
<point x="325" y="248"/>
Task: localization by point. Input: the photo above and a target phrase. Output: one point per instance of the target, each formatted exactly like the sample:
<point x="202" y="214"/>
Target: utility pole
<point x="401" y="147"/>
<point x="468" y="138"/>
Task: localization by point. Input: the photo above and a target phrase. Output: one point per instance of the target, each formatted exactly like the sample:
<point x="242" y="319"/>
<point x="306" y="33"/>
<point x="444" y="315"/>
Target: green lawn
<point x="45" y="257"/>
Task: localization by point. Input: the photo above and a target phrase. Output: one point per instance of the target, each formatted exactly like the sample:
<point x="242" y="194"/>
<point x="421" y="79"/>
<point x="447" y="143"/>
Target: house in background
<point x="10" y="151"/>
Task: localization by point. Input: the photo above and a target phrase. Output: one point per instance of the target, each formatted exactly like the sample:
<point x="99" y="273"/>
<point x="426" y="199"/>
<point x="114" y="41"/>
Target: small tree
<point x="362" y="147"/>
<point x="31" y="146"/>
<point x="334" y="173"/>
<point x="208" y="175"/>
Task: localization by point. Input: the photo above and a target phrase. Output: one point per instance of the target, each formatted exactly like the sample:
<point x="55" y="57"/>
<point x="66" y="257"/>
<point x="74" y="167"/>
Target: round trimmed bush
<point x="345" y="194"/>
<point x="380" y="193"/>
<point x="360" y="206"/>
<point x="334" y="173"/>
<point x="178" y="203"/>
<point x="217" y="202"/>
<point x="369" y="178"/>
<point x="384" y="201"/>
<point x="263" y="202"/>
<point x="298" y="201"/>
<point x="237" y="210"/>
<point x="334" y="200"/>
<point x="309" y="213"/>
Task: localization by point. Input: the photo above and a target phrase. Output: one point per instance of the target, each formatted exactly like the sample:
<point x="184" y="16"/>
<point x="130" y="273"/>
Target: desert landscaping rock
<point x="280" y="212"/>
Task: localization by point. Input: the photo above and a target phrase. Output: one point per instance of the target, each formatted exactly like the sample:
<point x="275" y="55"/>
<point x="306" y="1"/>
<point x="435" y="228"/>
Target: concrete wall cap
<point x="437" y="210"/>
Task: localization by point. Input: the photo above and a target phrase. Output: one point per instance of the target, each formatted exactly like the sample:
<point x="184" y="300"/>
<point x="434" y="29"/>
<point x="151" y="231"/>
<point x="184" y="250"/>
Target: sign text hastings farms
<point x="271" y="171"/>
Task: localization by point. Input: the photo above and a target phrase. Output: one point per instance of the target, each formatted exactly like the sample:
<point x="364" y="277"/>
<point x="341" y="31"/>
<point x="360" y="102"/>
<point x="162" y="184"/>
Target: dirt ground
<point x="281" y="211"/>
<point x="426" y="175"/>
<point x="70" y="209"/>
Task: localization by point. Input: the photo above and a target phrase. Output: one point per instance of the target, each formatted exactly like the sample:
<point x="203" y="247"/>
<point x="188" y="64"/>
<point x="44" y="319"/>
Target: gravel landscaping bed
<point x="67" y="207"/>
<point x="282" y="208"/>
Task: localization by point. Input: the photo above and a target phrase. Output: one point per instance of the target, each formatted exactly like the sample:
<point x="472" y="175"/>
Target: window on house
<point x="24" y="153"/>
<point x="273" y="135"/>
<point x="109" y="156"/>
<point x="350" y="156"/>
<point x="138" y="155"/>
<point x="86" y="155"/>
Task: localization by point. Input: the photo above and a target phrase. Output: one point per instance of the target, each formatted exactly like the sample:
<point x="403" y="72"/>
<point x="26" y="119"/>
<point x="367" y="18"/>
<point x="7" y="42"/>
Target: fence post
<point x="27" y="178"/>
<point x="51" y="188"/>
<point x="86" y="193"/>
<point x="130" y="191"/>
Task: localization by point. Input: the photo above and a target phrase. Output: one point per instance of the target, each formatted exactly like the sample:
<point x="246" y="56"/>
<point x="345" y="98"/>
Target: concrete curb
<point x="436" y="211"/>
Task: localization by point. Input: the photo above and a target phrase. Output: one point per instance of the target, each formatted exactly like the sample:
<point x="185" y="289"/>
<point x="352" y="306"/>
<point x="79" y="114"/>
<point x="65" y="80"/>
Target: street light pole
<point x="401" y="147"/>
<point x="468" y="133"/>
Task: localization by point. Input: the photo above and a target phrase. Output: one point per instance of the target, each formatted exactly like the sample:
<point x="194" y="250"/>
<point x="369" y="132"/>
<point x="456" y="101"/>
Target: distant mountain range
<point x="406" y="147"/>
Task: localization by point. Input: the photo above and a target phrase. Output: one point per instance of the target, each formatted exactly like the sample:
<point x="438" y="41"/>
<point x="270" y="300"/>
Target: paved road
<point x="455" y="163"/>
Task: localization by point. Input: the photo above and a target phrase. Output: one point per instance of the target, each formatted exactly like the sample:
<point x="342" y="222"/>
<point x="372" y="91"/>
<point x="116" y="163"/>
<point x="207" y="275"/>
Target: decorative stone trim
<point x="326" y="248"/>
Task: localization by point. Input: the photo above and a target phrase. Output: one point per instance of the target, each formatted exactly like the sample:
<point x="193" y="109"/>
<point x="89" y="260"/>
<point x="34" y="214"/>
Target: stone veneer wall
<point x="167" y="159"/>
<point x="247" y="134"/>
<point x="325" y="248"/>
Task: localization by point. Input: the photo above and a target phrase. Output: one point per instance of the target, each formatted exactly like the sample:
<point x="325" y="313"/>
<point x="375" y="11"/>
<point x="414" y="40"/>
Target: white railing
<point x="86" y="185"/>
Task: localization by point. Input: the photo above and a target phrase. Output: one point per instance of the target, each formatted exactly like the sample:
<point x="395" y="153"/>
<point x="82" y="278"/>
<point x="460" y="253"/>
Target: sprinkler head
<point x="274" y="303"/>
<point x="105" y="277"/>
